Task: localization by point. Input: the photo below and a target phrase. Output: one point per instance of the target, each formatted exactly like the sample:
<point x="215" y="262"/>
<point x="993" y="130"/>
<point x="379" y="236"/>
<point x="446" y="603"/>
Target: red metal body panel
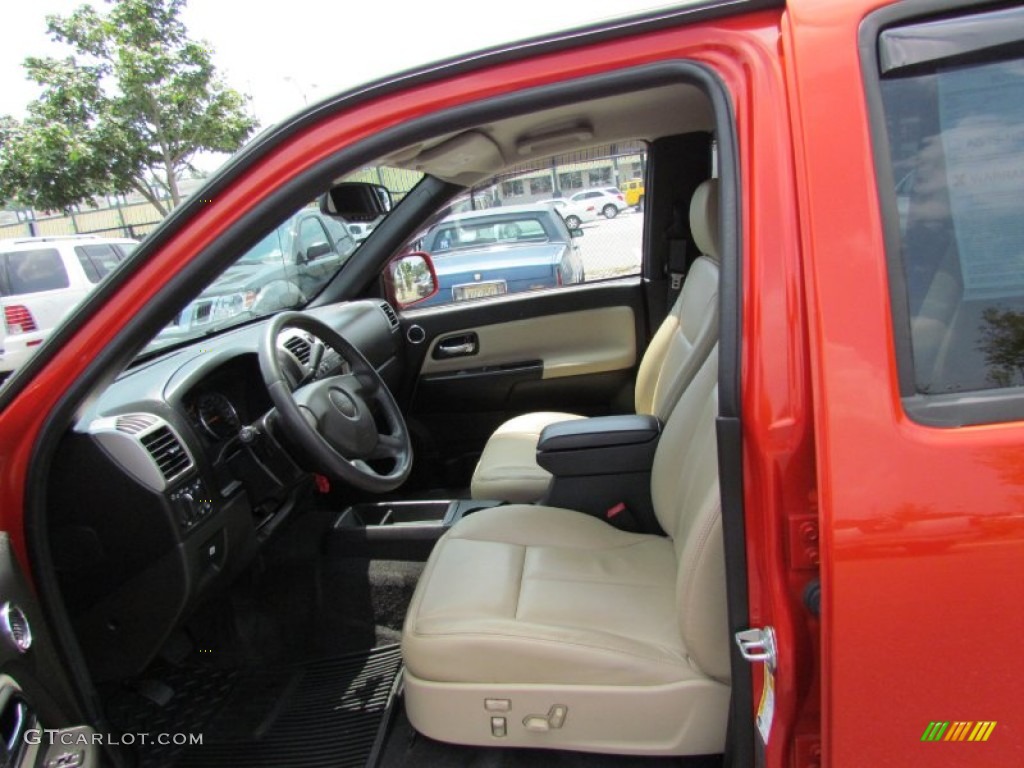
<point x="922" y="543"/>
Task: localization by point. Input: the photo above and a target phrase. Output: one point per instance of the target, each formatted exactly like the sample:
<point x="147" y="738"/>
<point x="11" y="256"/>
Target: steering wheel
<point x="332" y="418"/>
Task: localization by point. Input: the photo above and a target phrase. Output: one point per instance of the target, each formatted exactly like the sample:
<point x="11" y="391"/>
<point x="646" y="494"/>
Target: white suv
<point x="608" y="203"/>
<point x="41" y="280"/>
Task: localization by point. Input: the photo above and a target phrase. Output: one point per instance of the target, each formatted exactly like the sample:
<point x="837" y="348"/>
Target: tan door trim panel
<point x="568" y="344"/>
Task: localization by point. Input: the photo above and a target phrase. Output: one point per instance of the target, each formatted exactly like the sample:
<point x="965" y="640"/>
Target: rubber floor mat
<point x="325" y="713"/>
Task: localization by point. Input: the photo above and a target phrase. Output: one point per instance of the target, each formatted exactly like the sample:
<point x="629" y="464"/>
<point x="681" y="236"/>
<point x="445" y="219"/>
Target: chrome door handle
<point x="462" y="345"/>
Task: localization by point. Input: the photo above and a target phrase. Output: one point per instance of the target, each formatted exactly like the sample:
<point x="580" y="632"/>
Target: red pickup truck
<point x="751" y="494"/>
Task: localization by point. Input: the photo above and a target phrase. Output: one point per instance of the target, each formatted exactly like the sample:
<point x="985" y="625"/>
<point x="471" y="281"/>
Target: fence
<point x="121" y="220"/>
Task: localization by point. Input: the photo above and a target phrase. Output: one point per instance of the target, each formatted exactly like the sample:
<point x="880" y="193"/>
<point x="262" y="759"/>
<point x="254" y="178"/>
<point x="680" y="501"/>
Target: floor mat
<point x="324" y="713"/>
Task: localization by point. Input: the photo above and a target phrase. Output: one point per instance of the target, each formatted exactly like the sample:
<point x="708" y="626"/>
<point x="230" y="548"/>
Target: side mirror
<point x="410" y="279"/>
<point x="356" y="201"/>
<point x="576" y="232"/>
<point x="316" y="250"/>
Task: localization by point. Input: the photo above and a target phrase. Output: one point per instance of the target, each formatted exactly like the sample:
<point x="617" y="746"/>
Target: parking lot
<point x="612" y="247"/>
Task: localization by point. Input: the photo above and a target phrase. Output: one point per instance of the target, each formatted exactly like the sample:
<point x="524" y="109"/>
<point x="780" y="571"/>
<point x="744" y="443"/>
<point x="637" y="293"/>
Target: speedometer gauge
<point x="217" y="416"/>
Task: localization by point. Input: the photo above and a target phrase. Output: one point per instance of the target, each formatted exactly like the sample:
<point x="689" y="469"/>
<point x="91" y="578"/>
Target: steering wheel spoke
<point x="388" y="447"/>
<point x="335" y="420"/>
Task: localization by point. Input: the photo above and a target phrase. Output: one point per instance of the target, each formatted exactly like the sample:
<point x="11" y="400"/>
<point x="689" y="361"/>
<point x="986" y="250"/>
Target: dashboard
<point x="170" y="481"/>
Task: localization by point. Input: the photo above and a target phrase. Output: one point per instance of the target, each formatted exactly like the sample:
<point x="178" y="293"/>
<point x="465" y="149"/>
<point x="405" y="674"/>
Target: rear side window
<point x="955" y="134"/>
<point x="23" y="272"/>
<point x="98" y="260"/>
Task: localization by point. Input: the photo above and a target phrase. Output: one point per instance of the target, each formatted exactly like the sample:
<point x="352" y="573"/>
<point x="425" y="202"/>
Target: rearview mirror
<point x="356" y="201"/>
<point x="410" y="279"/>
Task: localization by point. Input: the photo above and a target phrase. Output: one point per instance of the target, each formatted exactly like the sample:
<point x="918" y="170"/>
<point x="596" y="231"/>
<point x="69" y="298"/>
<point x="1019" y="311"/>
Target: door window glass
<point x="956" y="145"/>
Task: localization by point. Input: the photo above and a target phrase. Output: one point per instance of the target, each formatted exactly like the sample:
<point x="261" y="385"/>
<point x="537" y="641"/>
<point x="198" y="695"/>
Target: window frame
<point x="943" y="410"/>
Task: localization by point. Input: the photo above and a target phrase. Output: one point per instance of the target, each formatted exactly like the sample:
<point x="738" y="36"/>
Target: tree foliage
<point x="127" y="111"/>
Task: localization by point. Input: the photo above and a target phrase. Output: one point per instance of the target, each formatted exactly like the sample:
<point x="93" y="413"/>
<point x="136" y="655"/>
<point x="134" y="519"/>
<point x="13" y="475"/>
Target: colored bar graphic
<point x="960" y="730"/>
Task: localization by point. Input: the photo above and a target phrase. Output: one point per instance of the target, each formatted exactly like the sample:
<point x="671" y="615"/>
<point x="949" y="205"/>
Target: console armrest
<point x="608" y="444"/>
<point x="601" y="432"/>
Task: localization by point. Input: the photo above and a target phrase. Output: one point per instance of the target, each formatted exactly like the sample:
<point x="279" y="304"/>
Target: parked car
<point x="360" y="230"/>
<point x="609" y="203"/>
<point x="573" y="214"/>
<point x="633" y="193"/>
<point x="781" y="523"/>
<point x="284" y="269"/>
<point x="41" y="280"/>
<point x="502" y="250"/>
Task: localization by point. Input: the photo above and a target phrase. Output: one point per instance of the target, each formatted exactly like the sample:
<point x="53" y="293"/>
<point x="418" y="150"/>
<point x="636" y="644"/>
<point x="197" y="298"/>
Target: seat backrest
<point x="691" y="327"/>
<point x="687" y="502"/>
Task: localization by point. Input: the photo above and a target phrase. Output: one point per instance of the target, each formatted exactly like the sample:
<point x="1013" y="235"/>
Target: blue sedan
<point x="501" y="250"/>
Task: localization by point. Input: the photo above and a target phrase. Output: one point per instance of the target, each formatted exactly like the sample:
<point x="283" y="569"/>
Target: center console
<point x="397" y="530"/>
<point x="602" y="466"/>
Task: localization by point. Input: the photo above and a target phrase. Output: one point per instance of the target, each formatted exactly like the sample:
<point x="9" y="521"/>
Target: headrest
<point x="704" y="218"/>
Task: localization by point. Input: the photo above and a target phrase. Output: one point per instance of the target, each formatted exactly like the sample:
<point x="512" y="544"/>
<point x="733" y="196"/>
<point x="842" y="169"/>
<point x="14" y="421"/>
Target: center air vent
<point x="299" y="347"/>
<point x="145" y="446"/>
<point x="389" y="313"/>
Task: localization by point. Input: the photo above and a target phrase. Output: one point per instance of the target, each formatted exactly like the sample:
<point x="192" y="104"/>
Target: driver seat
<point x="534" y="626"/>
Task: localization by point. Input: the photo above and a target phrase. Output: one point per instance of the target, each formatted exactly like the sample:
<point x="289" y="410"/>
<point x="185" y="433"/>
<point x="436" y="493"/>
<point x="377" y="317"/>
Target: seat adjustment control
<point x="499" y="727"/>
<point x="552" y="721"/>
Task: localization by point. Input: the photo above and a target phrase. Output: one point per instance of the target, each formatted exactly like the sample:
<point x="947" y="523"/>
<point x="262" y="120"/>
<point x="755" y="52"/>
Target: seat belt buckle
<point x="615" y="511"/>
<point x="676" y="279"/>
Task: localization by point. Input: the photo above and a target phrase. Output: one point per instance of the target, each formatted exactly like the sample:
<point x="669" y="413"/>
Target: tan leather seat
<point x="541" y="627"/>
<point x="508" y="468"/>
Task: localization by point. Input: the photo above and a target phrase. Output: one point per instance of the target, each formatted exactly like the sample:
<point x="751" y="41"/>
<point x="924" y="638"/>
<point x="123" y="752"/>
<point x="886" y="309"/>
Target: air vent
<point x="133" y="423"/>
<point x="145" y="446"/>
<point x="14" y="626"/>
<point x="166" y="449"/>
<point x="389" y="313"/>
<point x="299" y="347"/>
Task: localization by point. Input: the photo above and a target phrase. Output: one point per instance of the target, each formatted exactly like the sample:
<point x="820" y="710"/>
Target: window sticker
<point x="981" y="112"/>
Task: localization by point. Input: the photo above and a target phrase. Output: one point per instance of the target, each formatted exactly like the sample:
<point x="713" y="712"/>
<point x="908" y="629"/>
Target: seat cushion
<point x="536" y="595"/>
<point x="508" y="468"/>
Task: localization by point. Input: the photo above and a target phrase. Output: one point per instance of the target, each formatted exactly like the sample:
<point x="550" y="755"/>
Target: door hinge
<point x="758" y="645"/>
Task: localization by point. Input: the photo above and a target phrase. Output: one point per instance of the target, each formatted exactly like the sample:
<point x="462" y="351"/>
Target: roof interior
<point x="468" y="157"/>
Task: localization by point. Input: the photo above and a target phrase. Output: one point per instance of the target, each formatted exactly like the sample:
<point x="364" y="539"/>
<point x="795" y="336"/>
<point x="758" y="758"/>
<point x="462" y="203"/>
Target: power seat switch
<point x="499" y="727"/>
<point x="554" y="720"/>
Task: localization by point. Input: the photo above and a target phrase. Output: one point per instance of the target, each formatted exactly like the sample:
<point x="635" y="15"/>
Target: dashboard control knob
<point x="247" y="434"/>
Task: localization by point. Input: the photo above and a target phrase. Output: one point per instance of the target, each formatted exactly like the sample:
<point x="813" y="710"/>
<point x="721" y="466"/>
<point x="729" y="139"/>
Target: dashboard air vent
<point x="166" y="449"/>
<point x="389" y="313"/>
<point x="14" y="625"/>
<point x="133" y="423"/>
<point x="299" y="347"/>
<point x="145" y="446"/>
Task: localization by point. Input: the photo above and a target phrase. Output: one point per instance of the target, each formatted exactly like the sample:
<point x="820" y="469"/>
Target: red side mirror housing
<point x="410" y="279"/>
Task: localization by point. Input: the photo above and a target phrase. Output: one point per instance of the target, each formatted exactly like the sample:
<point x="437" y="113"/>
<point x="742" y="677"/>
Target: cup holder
<point x="395" y="513"/>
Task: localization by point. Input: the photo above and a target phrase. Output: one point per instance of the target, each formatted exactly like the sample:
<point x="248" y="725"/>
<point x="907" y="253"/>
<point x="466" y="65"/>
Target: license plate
<point x="479" y="290"/>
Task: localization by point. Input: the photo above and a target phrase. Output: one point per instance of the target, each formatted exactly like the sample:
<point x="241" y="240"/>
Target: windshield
<point x="285" y="270"/>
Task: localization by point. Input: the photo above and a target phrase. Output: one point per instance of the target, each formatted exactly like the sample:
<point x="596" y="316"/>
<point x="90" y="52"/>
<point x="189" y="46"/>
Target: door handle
<point x="463" y="345"/>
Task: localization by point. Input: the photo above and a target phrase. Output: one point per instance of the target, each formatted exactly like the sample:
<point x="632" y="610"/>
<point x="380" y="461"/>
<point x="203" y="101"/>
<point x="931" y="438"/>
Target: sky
<point x="286" y="56"/>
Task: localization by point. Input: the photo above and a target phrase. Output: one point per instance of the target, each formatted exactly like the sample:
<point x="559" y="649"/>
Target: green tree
<point x="127" y="111"/>
<point x="1003" y="344"/>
